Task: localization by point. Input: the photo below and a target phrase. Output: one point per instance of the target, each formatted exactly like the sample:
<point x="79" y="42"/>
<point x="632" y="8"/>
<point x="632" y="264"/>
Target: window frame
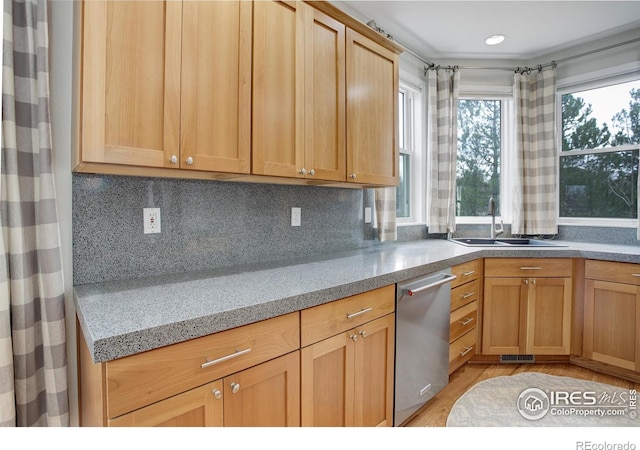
<point x="507" y="146"/>
<point x="415" y="134"/>
<point x="573" y="88"/>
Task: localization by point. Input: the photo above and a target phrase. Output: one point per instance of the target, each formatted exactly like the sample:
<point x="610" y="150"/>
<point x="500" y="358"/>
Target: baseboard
<point x="608" y="369"/>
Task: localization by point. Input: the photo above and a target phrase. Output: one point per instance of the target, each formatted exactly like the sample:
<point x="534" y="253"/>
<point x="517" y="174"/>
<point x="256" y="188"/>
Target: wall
<point x="61" y="16"/>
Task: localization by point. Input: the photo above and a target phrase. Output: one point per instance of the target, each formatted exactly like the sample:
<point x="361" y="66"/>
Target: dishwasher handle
<point x="447" y="279"/>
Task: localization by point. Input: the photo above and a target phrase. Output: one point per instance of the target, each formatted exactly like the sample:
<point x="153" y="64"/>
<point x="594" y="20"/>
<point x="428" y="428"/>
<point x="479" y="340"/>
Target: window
<point x="479" y="162"/>
<point x="410" y="166"/>
<point x="598" y="157"/>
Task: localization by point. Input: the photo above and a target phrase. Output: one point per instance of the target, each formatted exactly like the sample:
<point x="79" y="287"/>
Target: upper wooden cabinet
<point x="154" y="90"/>
<point x="299" y="92"/>
<point x="372" y="112"/>
<point x="233" y="89"/>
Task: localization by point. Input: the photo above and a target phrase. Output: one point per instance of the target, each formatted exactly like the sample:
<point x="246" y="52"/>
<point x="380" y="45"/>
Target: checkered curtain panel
<point x="385" y="201"/>
<point x="534" y="195"/>
<point x="33" y="364"/>
<point x="442" y="110"/>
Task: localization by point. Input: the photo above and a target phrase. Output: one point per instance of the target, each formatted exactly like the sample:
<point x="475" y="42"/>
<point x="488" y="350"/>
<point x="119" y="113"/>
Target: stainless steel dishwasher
<point x="422" y="341"/>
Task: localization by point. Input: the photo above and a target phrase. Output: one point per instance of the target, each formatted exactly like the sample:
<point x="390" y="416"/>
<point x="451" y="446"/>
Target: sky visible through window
<point x="608" y="101"/>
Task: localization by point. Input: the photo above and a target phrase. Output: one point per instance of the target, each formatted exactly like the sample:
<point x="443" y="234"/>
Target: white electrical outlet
<point x="151" y="218"/>
<point x="367" y="214"/>
<point x="296" y="217"/>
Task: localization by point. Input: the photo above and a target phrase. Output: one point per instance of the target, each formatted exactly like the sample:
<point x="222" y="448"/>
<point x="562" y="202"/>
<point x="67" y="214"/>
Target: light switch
<point x="367" y="214"/>
<point x="296" y="217"/>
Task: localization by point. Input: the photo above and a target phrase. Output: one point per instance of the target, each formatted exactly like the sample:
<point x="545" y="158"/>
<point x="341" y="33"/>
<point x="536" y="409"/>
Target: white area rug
<point x="539" y="400"/>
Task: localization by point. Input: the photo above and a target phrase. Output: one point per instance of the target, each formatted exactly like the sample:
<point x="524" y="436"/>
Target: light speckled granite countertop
<point x="122" y="318"/>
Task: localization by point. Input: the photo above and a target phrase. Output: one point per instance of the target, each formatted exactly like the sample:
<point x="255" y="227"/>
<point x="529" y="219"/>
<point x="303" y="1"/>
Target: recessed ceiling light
<point x="494" y="39"/>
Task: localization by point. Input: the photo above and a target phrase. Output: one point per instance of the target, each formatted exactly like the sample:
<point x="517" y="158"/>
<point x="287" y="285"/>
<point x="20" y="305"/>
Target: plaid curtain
<point x="534" y="196"/>
<point x="33" y="364"/>
<point x="443" y="148"/>
<point x="385" y="201"/>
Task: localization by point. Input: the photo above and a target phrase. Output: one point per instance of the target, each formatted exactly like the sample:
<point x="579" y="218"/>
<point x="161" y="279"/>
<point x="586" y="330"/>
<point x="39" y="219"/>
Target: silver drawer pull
<point x="635" y="274"/>
<point x="467" y="295"/>
<point x="466" y="274"/>
<point x="359" y="313"/>
<point x="466" y="321"/>
<point x="465" y="351"/>
<point x="530" y="268"/>
<point x="225" y="358"/>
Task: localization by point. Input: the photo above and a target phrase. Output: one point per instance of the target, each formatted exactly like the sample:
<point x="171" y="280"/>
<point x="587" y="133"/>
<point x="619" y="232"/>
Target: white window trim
<point x="583" y="83"/>
<point x="418" y="163"/>
<point x="507" y="139"/>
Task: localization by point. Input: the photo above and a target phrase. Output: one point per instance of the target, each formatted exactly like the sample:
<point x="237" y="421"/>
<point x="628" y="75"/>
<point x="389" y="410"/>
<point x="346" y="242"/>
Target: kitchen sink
<point x="505" y="242"/>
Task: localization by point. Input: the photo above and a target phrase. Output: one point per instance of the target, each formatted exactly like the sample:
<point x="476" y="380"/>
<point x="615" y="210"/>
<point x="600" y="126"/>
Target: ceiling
<point x="457" y="29"/>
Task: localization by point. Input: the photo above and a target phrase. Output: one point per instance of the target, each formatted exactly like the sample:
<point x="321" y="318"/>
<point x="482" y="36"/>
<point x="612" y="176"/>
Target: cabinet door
<point x="372" y="112"/>
<point x="266" y="395"/>
<point x="611" y="318"/>
<point x="131" y="82"/>
<point x="216" y="86"/>
<point x="278" y="88"/>
<point x="325" y="98"/>
<point x="328" y="382"/>
<point x="549" y="316"/>
<point x="374" y="373"/>
<point x="504" y="317"/>
<point x="198" y="407"/>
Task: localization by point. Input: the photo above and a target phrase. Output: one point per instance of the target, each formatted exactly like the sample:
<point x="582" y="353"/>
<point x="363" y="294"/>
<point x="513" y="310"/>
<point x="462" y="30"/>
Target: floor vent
<point x="517" y="358"/>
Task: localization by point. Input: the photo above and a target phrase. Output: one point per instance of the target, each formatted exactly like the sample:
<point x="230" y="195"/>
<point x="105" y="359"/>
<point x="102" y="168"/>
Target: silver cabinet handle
<point x="635" y="274"/>
<point x="235" y="387"/>
<point x="363" y="333"/>
<point x="466" y="321"/>
<point x="352" y="176"/>
<point x="467" y="295"/>
<point x="302" y="171"/>
<point x="312" y="172"/>
<point x="447" y="279"/>
<point x="174" y="159"/>
<point x="466" y="274"/>
<point x="189" y="160"/>
<point x="225" y="358"/>
<point x="359" y="313"/>
<point x="530" y="268"/>
<point x="353" y="337"/>
<point x="217" y="394"/>
<point x="526" y="281"/>
<point x="466" y="350"/>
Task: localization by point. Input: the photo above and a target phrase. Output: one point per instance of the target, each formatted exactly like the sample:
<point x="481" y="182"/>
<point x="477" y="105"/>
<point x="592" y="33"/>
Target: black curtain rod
<point x="431" y="65"/>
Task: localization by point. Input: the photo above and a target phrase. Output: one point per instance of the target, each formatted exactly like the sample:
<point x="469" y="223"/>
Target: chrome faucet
<point x="492" y="212"/>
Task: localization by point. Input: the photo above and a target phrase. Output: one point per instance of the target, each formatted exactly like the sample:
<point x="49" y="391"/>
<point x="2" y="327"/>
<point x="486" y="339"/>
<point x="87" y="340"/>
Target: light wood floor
<point x="435" y="413"/>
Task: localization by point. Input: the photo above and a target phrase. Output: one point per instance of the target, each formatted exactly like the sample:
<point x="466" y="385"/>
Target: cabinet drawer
<point x="142" y="379"/>
<point x="462" y="350"/>
<point x="465" y="294"/>
<point x="465" y="272"/>
<point x="528" y="267"/>
<point x="463" y="320"/>
<point x="616" y="272"/>
<point x="327" y="320"/>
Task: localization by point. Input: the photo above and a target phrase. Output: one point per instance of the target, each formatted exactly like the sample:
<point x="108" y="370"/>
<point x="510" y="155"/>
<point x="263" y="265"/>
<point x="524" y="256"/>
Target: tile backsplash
<point x="208" y="225"/>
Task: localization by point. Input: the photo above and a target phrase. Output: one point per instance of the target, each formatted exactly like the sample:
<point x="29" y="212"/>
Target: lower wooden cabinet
<point x="347" y="379"/>
<point x="267" y="395"/>
<point x="527" y="306"/>
<point x="612" y="314"/>
<point x="347" y="361"/>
